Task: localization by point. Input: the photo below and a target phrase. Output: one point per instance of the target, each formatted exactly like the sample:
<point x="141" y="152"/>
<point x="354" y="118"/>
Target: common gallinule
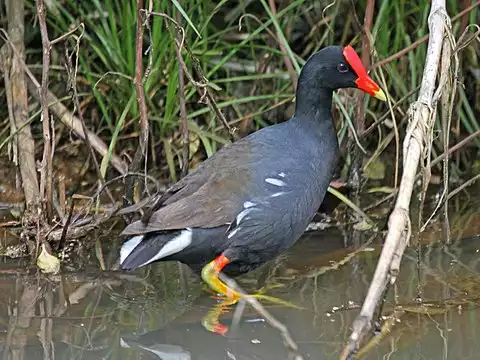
<point x="253" y="199"/>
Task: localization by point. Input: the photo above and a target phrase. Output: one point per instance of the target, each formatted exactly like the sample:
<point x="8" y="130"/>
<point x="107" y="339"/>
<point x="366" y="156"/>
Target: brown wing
<point x="212" y="195"/>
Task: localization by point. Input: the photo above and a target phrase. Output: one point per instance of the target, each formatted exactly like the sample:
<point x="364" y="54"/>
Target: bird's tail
<point x="140" y="250"/>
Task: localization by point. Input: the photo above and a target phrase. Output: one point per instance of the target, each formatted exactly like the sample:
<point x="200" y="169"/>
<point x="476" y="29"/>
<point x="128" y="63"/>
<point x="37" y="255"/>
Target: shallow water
<point x="157" y="313"/>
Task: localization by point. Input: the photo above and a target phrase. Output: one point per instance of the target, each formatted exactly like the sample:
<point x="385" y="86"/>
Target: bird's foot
<point x="210" y="274"/>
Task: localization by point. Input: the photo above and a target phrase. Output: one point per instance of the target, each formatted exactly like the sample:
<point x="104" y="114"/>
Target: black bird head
<point x="336" y="67"/>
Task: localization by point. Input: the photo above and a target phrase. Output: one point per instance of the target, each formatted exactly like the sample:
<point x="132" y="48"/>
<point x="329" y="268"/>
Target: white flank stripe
<point x="242" y="215"/>
<point x="177" y="244"/>
<point x="128" y="247"/>
<point x="248" y="204"/>
<point x="276" y="182"/>
<point x="123" y="344"/>
<point x="233" y="232"/>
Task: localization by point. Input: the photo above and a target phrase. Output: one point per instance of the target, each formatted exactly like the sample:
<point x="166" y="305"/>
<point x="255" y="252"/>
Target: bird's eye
<point x="343" y="68"/>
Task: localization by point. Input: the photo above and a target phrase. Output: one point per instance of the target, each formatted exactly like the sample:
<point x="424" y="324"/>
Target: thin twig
<point x="61" y="196"/>
<point x="456" y="147"/>
<point x="211" y="102"/>
<point x="12" y="59"/>
<point x="158" y="187"/>
<point x="420" y="41"/>
<point x="258" y="21"/>
<point x="67" y="35"/>
<point x="63" y="237"/>
<point x="79" y="231"/>
<point x="141" y="152"/>
<point x="402" y="52"/>
<point x="72" y="83"/>
<point x="357" y="156"/>
<point x="447" y="101"/>
<point x="183" y="108"/>
<point x="388" y="113"/>
<point x="283" y="49"/>
<point x="201" y="85"/>
<point x="62" y="112"/>
<point x="366" y="34"/>
<point x="256" y="113"/>
<point x="72" y="229"/>
<point x="463" y="186"/>
<point x="434" y="162"/>
<point x="399" y="227"/>
<point x="95" y="222"/>
<point x="395" y="129"/>
<point x="46" y="170"/>
<point x="282" y="328"/>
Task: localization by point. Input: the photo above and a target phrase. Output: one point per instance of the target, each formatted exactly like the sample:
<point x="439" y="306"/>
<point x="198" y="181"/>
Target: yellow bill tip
<point x="380" y="95"/>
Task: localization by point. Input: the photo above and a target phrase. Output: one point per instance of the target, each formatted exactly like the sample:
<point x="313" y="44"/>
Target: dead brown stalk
<point x="60" y="110"/>
<point x="12" y="59"/>
<point x="46" y="169"/>
<point x="420" y="41"/>
<point x="357" y="156"/>
<point x="288" y="341"/>
<point x="72" y="83"/>
<point x="141" y="153"/>
<point x="399" y="228"/>
<point x="181" y="101"/>
<point x="389" y="112"/>
<point x="283" y="49"/>
<point x="201" y="83"/>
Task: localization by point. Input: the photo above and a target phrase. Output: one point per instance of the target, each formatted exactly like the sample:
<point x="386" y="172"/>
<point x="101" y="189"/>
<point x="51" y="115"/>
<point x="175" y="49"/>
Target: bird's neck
<point x="313" y="105"/>
<point x="313" y="109"/>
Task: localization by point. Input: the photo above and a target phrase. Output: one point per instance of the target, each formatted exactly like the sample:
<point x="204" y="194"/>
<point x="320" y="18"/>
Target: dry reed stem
<point x="288" y="340"/>
<point x="283" y="49"/>
<point x="354" y="172"/>
<point x="74" y="123"/>
<point x="398" y="234"/>
<point x="46" y="169"/>
<point x="201" y="85"/>
<point x="420" y="41"/>
<point x="182" y="102"/>
<point x="23" y="146"/>
<point x="62" y="112"/>
<point x="72" y="69"/>
<point x="141" y="153"/>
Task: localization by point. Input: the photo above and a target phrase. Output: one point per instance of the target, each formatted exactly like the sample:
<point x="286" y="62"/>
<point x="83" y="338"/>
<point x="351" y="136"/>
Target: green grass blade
<point x="113" y="141"/>
<point x="350" y="204"/>
<point x="185" y="16"/>
<point x="283" y="39"/>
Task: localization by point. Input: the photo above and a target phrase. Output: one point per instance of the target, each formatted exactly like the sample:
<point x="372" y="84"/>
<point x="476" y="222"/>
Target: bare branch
<point x="354" y="172"/>
<point x="181" y="100"/>
<point x="288" y="341"/>
<point x="72" y="80"/>
<point x="420" y="41"/>
<point x="46" y="170"/>
<point x="62" y="112"/>
<point x="283" y="49"/>
<point x="14" y="76"/>
<point x="421" y="114"/>
<point x="203" y="89"/>
<point x="141" y="152"/>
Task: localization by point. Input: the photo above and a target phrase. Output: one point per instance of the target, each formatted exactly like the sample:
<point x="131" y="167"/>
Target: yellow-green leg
<point x="210" y="274"/>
